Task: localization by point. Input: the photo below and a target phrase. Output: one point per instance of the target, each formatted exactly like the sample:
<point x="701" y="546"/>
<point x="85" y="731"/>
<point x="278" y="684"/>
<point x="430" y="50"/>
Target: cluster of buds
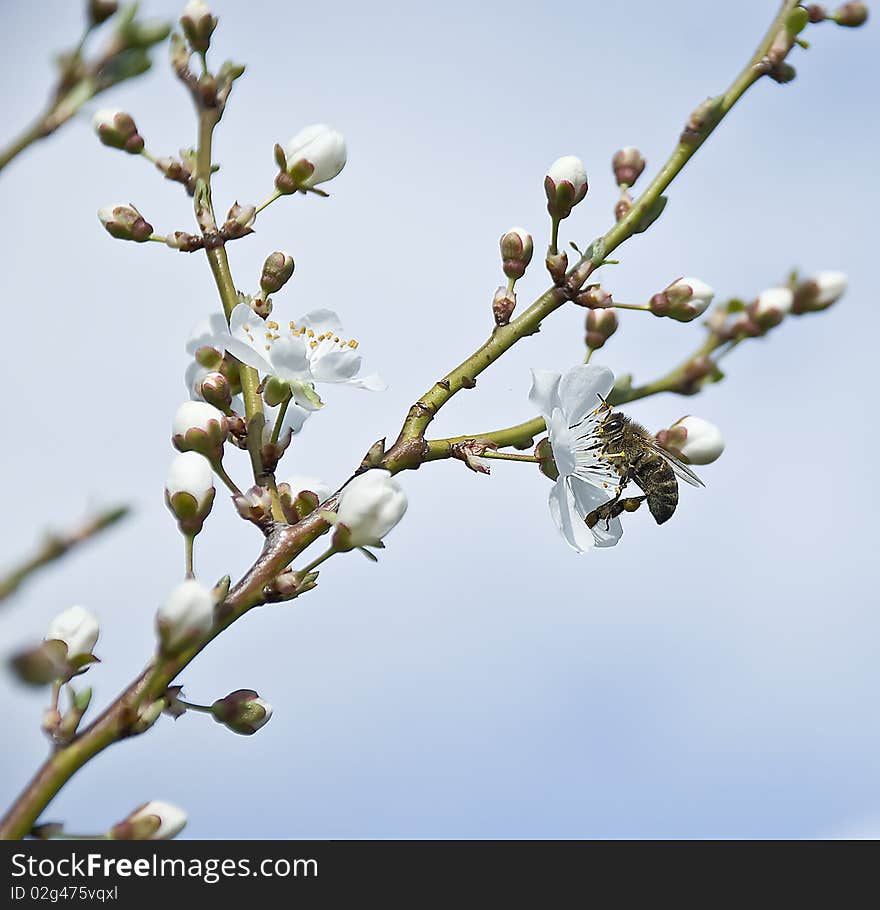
<point x="683" y="300"/>
<point x="601" y="325"/>
<point x="370" y="506"/>
<point x="772" y="305"/>
<point x="315" y="155"/>
<point x="242" y="711"/>
<point x="117" y="130"/>
<point x="125" y="222"/>
<point x="186" y="617"/>
<point x="693" y="440"/>
<point x="155" y="820"/>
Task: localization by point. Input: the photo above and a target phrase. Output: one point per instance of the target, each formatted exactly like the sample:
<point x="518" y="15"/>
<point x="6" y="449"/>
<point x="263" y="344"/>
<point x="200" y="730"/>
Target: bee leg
<point x="630" y="504"/>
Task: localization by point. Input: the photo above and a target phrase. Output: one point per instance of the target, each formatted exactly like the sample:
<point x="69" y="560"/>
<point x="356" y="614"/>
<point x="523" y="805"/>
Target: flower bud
<point x="702" y="119"/>
<point x="155" y="820"/>
<point x="594" y="298"/>
<point x="370" y="505"/>
<point x="101" y="10"/>
<point x="683" y="300"/>
<point x="189" y="491"/>
<point x="694" y="440"/>
<point x="186" y="617"/>
<point x="819" y="292"/>
<point x="601" y="325"/>
<point x="215" y="389"/>
<point x="314" y="155"/>
<point x="850" y="15"/>
<point x="277" y="270"/>
<point x="816" y="12"/>
<point x="300" y="495"/>
<point x="771" y="306"/>
<point x="78" y="629"/>
<point x="198" y="25"/>
<point x="557" y="265"/>
<point x="239" y="221"/>
<point x="516" y="252"/>
<point x="199" y="427"/>
<point x="565" y="185"/>
<point x="125" y="222"/>
<point x="118" y="130"/>
<point x="503" y="304"/>
<point x="255" y="505"/>
<point x="628" y="164"/>
<point x="275" y="391"/>
<point x="242" y="711"/>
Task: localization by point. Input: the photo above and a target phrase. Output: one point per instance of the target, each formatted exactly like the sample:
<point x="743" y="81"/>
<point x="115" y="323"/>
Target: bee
<point x="638" y="458"/>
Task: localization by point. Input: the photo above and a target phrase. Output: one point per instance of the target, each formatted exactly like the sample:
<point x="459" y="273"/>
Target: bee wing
<point x="678" y="466"/>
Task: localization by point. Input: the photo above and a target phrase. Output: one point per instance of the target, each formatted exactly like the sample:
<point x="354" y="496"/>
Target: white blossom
<point x="832" y="286"/>
<point x="197" y="415"/>
<point x="569" y="169"/>
<point x="370" y="505"/>
<point x="186" y="616"/>
<point x="78" y="628"/>
<point x="142" y="823"/>
<point x="319" y="150"/>
<point x="703" y="442"/>
<point x="190" y="473"/>
<point x="312" y="350"/>
<point x="699" y="294"/>
<point x="774" y="301"/>
<point x="573" y="411"/>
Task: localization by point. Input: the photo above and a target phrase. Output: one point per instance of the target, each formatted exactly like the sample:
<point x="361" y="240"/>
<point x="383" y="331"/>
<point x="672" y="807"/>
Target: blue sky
<point x="716" y="677"/>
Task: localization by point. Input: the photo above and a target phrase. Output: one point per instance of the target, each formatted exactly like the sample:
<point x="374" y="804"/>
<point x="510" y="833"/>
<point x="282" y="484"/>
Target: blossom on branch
<point x="572" y="407"/>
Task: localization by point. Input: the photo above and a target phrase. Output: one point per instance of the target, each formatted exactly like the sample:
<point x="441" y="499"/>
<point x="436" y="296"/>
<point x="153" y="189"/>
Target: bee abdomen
<point x="659" y="485"/>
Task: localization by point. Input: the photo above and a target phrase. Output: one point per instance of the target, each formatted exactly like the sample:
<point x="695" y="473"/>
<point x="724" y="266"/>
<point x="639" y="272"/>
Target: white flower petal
<point x="290" y="359"/>
<point x="335" y="365"/>
<point x="580" y="388"/>
<point x="207" y="332"/>
<point x="372" y="383"/>
<point x="563" y="510"/>
<point x="322" y="321"/>
<point x="544" y="393"/>
<point x="587" y="498"/>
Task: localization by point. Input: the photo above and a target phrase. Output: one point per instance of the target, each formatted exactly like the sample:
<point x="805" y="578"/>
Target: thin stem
<point x="554" y="236"/>
<point x="220" y="471"/>
<point x="190" y="706"/>
<point x="37" y="130"/>
<point x="279" y="420"/>
<point x="589" y="355"/>
<point x="268" y="201"/>
<point x="509" y="456"/>
<point x="631" y="306"/>
<point x="316" y="562"/>
<point x="188" y="541"/>
<point x="57" y="545"/>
